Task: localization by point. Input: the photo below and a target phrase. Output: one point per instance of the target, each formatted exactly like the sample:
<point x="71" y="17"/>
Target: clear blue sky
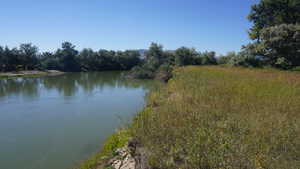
<point x="218" y="25"/>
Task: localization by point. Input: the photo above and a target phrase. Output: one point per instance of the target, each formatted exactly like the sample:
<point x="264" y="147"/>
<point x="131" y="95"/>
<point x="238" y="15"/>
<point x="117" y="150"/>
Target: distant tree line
<point x="159" y="63"/>
<point x="67" y="58"/>
<point x="275" y="34"/>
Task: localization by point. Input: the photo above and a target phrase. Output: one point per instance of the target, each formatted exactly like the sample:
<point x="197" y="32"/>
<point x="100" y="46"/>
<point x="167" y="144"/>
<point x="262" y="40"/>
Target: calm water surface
<point x="55" y="122"/>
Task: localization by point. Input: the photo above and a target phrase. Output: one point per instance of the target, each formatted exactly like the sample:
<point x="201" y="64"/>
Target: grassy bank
<point x="99" y="160"/>
<point x="217" y="117"/>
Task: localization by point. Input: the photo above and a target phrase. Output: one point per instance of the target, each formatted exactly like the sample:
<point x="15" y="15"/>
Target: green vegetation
<point x="208" y="117"/>
<point x="214" y="117"/>
<point x="276" y="32"/>
<point x="67" y="59"/>
<point x="217" y="117"/>
<point x="159" y="63"/>
<point x="117" y="140"/>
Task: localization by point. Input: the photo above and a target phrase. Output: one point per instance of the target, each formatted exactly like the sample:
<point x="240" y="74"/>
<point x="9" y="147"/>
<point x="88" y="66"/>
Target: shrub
<point x="246" y="59"/>
<point x="140" y="72"/>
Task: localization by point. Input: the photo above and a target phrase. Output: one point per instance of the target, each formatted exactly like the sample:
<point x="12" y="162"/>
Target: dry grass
<point x="217" y="117"/>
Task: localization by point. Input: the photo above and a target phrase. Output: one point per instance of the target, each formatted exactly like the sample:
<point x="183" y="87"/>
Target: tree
<point x="28" y="56"/>
<point x="49" y="61"/>
<point x="67" y="56"/>
<point x="86" y="59"/>
<point x="169" y="57"/>
<point x="227" y="58"/>
<point x="105" y="59"/>
<point x="244" y="58"/>
<point x="12" y="61"/>
<point x="1" y="59"/>
<point x="276" y="31"/>
<point x="128" y="59"/>
<point x="279" y="46"/>
<point x="185" y="56"/>
<point x="156" y="53"/>
<point x="273" y="12"/>
<point x="208" y="58"/>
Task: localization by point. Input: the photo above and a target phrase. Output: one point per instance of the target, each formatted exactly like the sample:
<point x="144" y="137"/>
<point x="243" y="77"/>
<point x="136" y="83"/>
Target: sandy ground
<point x="31" y="73"/>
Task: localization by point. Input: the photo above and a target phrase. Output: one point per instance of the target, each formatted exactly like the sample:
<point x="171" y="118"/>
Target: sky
<point x="218" y="25"/>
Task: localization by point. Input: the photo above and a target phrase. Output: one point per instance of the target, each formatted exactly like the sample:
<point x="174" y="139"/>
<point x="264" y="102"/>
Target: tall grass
<point x="217" y="117"/>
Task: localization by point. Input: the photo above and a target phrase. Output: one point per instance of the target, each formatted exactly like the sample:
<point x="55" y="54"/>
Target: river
<point x="55" y="122"/>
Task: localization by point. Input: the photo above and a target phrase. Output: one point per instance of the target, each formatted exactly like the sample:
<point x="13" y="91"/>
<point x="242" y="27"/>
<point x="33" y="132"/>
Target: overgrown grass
<point x="99" y="160"/>
<point x="218" y="117"/>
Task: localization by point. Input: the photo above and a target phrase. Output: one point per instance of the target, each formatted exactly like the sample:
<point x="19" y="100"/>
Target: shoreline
<point x="143" y="144"/>
<point x="30" y="73"/>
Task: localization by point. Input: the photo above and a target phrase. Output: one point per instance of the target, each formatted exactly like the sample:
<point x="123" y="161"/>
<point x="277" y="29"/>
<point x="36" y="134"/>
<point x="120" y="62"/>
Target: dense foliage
<point x="268" y="13"/>
<point x="159" y="63"/>
<point x="276" y="32"/>
<point x="279" y="46"/>
<point x="24" y="57"/>
<point x="67" y="58"/>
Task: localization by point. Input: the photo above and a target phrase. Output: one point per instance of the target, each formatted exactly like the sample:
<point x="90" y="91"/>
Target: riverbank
<point x="214" y="117"/>
<point x="30" y="73"/>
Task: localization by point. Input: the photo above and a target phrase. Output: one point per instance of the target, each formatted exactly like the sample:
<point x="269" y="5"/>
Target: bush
<point x="140" y="72"/>
<point x="246" y="59"/>
<point x="164" y="73"/>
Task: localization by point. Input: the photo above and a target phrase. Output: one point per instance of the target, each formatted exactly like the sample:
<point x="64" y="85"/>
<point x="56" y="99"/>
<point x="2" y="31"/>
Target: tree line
<point x="275" y="36"/>
<point x="66" y="58"/>
<point x="159" y="62"/>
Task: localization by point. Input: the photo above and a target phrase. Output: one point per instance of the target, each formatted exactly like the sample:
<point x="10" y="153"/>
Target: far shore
<point x="30" y="73"/>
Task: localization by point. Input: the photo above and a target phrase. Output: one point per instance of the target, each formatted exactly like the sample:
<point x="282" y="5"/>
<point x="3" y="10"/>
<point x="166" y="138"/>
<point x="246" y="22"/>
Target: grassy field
<point x="217" y="117"/>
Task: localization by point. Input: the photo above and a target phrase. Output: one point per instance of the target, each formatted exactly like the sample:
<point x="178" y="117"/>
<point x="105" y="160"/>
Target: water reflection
<point x="55" y="122"/>
<point x="68" y="84"/>
<point x="26" y="86"/>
